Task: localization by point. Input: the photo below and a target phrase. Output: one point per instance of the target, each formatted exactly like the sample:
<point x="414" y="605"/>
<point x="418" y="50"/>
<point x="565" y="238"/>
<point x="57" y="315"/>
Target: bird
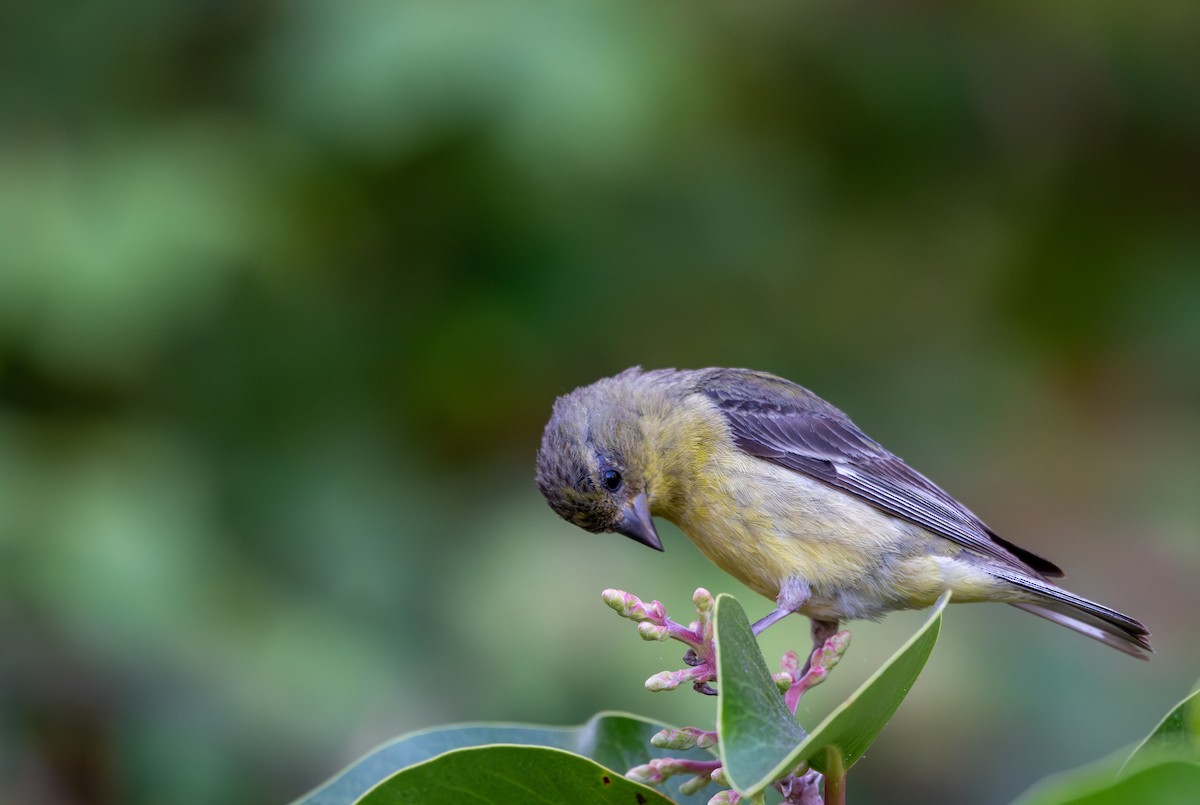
<point x="781" y="490"/>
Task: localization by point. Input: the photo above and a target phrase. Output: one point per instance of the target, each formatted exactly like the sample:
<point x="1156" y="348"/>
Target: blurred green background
<point x="287" y="290"/>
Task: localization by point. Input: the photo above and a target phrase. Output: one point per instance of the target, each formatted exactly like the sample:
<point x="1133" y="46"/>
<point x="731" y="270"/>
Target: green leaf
<point x="852" y="727"/>
<point x="500" y="774"/>
<point x="1178" y="734"/>
<point x="757" y="731"/>
<point x="1169" y="782"/>
<point x="617" y="741"/>
<point x="842" y="738"/>
<point x="1163" y="768"/>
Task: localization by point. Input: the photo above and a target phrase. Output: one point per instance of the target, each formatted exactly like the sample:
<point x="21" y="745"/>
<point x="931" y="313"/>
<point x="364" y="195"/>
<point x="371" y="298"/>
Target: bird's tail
<point x="1081" y="615"/>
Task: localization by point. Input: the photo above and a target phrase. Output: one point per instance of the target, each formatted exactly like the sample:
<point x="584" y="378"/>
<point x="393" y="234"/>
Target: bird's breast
<point x="763" y="524"/>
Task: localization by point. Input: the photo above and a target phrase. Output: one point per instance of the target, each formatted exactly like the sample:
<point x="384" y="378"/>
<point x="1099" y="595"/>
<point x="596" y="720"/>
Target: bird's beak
<point x="637" y="524"/>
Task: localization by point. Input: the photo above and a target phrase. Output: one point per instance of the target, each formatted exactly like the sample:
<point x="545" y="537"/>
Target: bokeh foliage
<point x="286" y="290"/>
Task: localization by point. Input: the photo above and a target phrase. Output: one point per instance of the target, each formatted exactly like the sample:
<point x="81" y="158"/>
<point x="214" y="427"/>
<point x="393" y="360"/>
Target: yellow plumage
<point x="763" y="524"/>
<point x="782" y="491"/>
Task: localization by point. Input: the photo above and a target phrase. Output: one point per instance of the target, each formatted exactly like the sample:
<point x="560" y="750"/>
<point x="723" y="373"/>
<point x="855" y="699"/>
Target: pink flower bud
<point x="664" y="680"/>
<point x="652" y="631"/>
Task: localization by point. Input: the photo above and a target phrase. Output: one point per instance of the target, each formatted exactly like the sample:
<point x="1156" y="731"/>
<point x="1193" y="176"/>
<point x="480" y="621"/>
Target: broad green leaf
<point x="757" y="731"/>
<point x="1178" y="734"/>
<point x="842" y="738"/>
<point x="1169" y="782"/>
<point x="849" y="730"/>
<point x="1069" y="785"/>
<point x="1155" y="771"/>
<point x="501" y="774"/>
<point x="617" y="741"/>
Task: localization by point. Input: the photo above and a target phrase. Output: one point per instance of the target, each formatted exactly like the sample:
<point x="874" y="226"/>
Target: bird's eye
<point x="612" y="480"/>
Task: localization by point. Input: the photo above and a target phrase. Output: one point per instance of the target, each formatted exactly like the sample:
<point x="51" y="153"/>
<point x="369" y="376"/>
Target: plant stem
<point x="835" y="777"/>
<point x="835" y="790"/>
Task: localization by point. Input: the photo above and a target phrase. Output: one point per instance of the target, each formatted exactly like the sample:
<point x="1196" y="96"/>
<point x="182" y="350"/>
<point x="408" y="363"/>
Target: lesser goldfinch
<point x="780" y="489"/>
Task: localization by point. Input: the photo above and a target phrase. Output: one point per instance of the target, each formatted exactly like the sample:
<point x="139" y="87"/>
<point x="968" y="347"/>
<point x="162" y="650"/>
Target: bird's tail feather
<point x="1098" y="622"/>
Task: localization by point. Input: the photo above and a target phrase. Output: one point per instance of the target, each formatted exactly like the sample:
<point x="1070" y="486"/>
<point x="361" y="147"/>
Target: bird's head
<point x="592" y="464"/>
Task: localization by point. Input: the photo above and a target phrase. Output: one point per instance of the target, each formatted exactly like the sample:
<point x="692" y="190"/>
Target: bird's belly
<point x="769" y="524"/>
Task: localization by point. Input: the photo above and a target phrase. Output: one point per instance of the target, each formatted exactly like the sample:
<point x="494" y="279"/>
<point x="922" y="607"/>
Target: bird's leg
<point x="772" y="618"/>
<point x="793" y="594"/>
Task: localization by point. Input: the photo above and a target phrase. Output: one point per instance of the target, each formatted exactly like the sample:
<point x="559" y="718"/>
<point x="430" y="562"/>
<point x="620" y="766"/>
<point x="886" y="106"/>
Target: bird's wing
<point x="784" y="423"/>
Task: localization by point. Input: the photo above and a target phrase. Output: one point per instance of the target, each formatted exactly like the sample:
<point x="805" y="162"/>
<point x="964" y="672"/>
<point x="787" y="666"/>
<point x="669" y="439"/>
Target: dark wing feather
<point x="782" y="422"/>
